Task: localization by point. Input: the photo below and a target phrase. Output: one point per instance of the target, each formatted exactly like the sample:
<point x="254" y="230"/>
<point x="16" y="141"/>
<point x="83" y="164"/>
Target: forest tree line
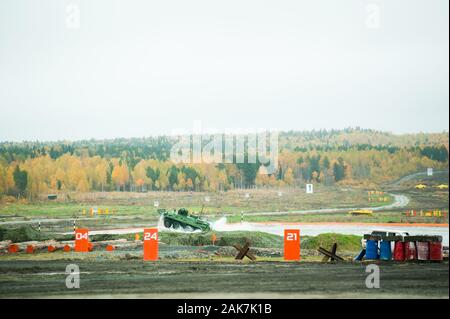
<point x="31" y="169"/>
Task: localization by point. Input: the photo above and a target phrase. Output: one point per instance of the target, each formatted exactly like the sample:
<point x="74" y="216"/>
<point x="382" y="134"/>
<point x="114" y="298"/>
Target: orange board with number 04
<point x="81" y="240"/>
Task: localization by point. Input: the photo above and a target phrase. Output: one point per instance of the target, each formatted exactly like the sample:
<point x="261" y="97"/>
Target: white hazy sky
<point x="141" y="68"/>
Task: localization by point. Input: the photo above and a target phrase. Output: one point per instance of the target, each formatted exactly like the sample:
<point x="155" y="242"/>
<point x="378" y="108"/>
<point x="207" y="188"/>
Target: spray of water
<point x="218" y="225"/>
<point x="222" y="225"/>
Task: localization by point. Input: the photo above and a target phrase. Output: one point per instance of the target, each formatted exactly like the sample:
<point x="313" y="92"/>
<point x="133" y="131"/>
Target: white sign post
<point x="430" y="171"/>
<point x="156" y="203"/>
<point x="309" y="189"/>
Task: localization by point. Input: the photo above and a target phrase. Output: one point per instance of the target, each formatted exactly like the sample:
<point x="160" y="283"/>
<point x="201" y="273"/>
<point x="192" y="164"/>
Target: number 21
<point x="291" y="237"/>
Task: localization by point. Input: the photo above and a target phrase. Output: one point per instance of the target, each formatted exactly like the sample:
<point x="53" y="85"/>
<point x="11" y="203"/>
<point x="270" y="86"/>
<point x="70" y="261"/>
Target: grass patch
<point x="256" y="239"/>
<point x="345" y="242"/>
<point x="127" y="203"/>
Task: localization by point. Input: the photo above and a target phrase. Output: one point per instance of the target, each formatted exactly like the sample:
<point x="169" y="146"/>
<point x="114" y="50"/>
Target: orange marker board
<point x="291" y="244"/>
<point x="81" y="240"/>
<point x="151" y="244"/>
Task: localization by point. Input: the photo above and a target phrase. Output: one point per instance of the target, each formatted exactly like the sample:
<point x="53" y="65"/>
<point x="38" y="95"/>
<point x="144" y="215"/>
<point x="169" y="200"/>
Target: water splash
<point x="222" y="225"/>
<point x="219" y="225"/>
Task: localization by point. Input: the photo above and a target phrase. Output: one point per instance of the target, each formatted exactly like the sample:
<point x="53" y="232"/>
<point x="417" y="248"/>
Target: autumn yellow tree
<point x="189" y="184"/>
<point x="96" y="171"/>
<point x="181" y="182"/>
<point x="120" y="175"/>
<point x="139" y="175"/>
<point x="2" y="178"/>
<point x="40" y="174"/>
<point x="197" y="184"/>
<point x="10" y="185"/>
<point x="163" y="181"/>
<point x="262" y="180"/>
<point x="289" y="177"/>
<point x="222" y="180"/>
<point x="101" y="174"/>
<point x="58" y="179"/>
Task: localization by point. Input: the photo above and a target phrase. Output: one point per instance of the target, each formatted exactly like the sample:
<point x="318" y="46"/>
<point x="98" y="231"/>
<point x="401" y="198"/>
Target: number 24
<point x="150" y="236"/>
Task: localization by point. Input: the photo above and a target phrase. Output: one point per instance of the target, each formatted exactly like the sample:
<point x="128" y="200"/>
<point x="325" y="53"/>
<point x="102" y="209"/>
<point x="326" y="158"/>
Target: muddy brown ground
<point x="183" y="279"/>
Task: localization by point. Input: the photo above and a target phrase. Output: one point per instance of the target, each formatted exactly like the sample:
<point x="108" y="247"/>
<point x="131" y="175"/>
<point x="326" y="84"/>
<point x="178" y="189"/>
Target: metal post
<point x="39" y="225"/>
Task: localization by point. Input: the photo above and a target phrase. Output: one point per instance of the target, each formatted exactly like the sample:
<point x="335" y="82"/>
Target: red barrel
<point x="399" y="251"/>
<point x="410" y="250"/>
<point x="436" y="251"/>
<point x="423" y="250"/>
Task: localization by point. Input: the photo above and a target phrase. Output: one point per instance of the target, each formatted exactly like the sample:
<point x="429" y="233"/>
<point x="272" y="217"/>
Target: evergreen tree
<point x="20" y="180"/>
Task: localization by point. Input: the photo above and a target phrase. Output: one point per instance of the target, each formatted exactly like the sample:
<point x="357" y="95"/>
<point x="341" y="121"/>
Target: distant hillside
<point x="362" y="137"/>
<point x="159" y="147"/>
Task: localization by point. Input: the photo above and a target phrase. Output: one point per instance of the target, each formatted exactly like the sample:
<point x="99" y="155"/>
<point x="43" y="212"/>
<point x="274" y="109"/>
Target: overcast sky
<point x="141" y="68"/>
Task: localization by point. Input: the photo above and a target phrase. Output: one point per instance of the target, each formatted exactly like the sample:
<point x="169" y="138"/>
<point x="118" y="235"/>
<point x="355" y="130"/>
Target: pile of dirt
<point x="21" y="234"/>
<point x="256" y="239"/>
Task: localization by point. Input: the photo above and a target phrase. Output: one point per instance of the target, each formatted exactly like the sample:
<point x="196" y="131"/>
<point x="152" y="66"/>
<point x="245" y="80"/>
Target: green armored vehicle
<point x="182" y="220"/>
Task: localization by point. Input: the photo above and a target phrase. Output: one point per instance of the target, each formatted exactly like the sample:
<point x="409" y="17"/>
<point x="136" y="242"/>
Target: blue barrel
<point x="385" y="250"/>
<point x="372" y="249"/>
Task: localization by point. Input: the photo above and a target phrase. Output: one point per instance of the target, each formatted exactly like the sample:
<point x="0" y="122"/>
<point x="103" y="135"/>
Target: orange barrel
<point x="436" y="251"/>
<point x="399" y="251"/>
<point x="13" y="248"/>
<point x="90" y="247"/>
<point x="110" y="248"/>
<point x="30" y="249"/>
<point x="66" y="248"/>
<point x="423" y="250"/>
<point x="51" y="248"/>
